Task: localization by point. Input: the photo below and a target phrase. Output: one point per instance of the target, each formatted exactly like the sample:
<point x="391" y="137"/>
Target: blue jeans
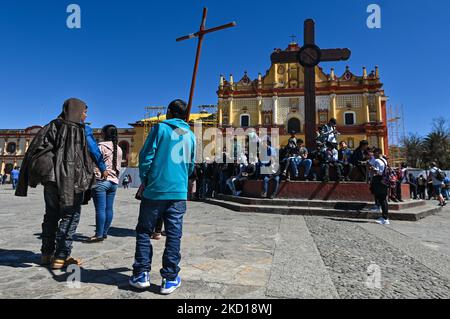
<point x="299" y="163"/>
<point x="172" y="212"/>
<point x="14" y="183"/>
<point x="267" y="179"/>
<point x="103" y="195"/>
<point x="60" y="223"/>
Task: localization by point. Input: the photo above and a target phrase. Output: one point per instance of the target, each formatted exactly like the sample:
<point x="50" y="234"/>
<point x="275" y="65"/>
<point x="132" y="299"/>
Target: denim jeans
<point x="267" y="179"/>
<point x="103" y="195"/>
<point x="60" y="223"/>
<point x="14" y="183"/>
<point x="172" y="212"/>
<point x="301" y="162"/>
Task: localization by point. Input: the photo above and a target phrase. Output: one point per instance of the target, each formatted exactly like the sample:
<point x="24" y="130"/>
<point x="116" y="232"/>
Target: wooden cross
<point x="200" y="34"/>
<point x="309" y="56"/>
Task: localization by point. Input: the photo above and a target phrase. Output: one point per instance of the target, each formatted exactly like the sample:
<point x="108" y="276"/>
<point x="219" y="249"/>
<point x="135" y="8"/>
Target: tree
<point x="413" y="147"/>
<point x="437" y="144"/>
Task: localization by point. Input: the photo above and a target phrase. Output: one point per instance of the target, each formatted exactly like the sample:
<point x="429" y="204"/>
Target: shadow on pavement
<point x="18" y="258"/>
<point x="350" y="220"/>
<point x="111" y="277"/>
<point x="121" y="232"/>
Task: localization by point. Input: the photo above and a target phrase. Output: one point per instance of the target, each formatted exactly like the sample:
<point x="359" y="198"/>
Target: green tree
<point x="437" y="144"/>
<point x="413" y="148"/>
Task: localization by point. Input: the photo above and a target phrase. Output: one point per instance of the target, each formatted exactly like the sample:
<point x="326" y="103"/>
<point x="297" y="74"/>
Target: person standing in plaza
<point x="379" y="185"/>
<point x="437" y="178"/>
<point x="125" y="181"/>
<point x="104" y="192"/>
<point x="165" y="164"/>
<point x="59" y="158"/>
<point x="421" y="186"/>
<point x="15" y="173"/>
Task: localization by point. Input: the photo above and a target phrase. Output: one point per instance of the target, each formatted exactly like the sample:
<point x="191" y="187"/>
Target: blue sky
<point x="125" y="56"/>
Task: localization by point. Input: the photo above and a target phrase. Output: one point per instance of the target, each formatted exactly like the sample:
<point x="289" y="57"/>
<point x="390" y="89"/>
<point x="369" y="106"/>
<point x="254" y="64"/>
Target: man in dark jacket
<point x="59" y="158"/>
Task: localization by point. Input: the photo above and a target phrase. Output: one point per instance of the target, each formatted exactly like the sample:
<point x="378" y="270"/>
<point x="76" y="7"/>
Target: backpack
<point x="389" y="176"/>
<point x="440" y="175"/>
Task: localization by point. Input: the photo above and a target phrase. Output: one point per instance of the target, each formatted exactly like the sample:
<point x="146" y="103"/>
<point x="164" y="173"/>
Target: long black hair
<point x="110" y="135"/>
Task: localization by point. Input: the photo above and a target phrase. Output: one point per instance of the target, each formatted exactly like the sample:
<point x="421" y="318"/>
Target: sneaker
<point x="383" y="221"/>
<point x="167" y="286"/>
<point x="140" y="281"/>
<point x="58" y="264"/>
<point x="263" y="194"/>
<point x="238" y="193"/>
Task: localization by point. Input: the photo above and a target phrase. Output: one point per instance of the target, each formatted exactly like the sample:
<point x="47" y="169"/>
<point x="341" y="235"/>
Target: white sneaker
<point x="383" y="221"/>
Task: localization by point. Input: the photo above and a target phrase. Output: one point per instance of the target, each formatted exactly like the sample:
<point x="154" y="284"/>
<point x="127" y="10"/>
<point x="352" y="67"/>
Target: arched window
<point x="294" y="126"/>
<point x="350" y="118"/>
<point x="245" y="120"/>
<point x="125" y="146"/>
<point x="11" y="148"/>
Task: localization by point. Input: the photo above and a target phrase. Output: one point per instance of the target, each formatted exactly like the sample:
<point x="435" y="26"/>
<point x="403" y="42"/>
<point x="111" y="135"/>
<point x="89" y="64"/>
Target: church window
<point x="267" y="119"/>
<point x="245" y="120"/>
<point x="349" y="118"/>
<point x="294" y="125"/>
<point x="11" y="148"/>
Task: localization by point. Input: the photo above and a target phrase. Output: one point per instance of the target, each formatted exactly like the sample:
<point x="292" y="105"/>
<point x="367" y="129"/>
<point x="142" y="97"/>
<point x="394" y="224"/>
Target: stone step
<point x="410" y="214"/>
<point x="342" y="205"/>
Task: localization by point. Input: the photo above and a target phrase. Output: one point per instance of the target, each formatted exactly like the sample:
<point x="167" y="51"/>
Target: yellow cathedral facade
<point x="358" y="102"/>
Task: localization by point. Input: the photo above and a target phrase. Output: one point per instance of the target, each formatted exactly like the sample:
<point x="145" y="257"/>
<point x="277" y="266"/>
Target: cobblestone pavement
<point x="227" y="254"/>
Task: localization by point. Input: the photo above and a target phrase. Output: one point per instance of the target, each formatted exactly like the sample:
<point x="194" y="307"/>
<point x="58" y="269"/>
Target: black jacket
<point x="59" y="154"/>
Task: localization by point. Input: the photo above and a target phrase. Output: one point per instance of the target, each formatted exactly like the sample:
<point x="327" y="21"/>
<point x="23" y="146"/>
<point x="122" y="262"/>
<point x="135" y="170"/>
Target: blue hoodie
<point x="167" y="160"/>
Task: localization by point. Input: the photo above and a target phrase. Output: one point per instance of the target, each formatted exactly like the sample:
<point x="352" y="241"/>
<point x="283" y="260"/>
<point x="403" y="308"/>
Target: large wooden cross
<point x="200" y="34"/>
<point x="309" y="56"/>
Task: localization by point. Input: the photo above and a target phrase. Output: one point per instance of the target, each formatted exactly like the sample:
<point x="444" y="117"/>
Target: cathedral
<point x="358" y="102"/>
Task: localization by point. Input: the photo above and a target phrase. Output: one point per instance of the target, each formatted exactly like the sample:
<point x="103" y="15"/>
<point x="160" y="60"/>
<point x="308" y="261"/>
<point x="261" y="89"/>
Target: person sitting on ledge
<point x="331" y="158"/>
<point x="246" y="172"/>
<point x="302" y="160"/>
<point x="270" y="170"/>
<point x="344" y="155"/>
<point x="359" y="159"/>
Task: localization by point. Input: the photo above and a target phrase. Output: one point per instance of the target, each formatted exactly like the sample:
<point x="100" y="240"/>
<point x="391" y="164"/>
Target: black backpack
<point x="440" y="175"/>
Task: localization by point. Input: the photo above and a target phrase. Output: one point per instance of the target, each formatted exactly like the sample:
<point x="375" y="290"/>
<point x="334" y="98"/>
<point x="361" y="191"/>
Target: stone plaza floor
<point x="226" y="254"/>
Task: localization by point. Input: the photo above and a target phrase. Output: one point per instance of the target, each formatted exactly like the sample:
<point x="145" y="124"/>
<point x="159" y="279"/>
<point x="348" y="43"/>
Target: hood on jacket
<point x="178" y="123"/>
<point x="73" y="110"/>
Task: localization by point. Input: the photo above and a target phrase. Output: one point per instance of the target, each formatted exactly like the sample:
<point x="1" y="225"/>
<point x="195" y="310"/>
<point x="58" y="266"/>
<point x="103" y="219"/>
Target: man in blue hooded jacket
<point x="165" y="163"/>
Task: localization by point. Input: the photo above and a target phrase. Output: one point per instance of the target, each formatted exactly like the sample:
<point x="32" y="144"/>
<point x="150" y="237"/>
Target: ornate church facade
<point x="358" y="102"/>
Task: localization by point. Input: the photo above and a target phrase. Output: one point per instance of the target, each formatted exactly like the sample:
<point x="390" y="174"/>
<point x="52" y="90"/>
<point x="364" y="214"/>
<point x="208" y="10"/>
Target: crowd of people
<point x="73" y="168"/>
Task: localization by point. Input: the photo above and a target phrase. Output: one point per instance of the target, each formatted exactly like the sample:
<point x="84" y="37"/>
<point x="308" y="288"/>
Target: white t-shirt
<point x="379" y="165"/>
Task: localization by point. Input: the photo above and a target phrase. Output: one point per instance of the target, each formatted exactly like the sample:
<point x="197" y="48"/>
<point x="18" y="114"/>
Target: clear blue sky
<point x="125" y="56"/>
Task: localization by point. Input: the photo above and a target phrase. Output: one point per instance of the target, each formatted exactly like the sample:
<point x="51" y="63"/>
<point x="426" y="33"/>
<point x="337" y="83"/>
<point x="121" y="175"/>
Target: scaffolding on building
<point x="150" y="112"/>
<point x="396" y="133"/>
